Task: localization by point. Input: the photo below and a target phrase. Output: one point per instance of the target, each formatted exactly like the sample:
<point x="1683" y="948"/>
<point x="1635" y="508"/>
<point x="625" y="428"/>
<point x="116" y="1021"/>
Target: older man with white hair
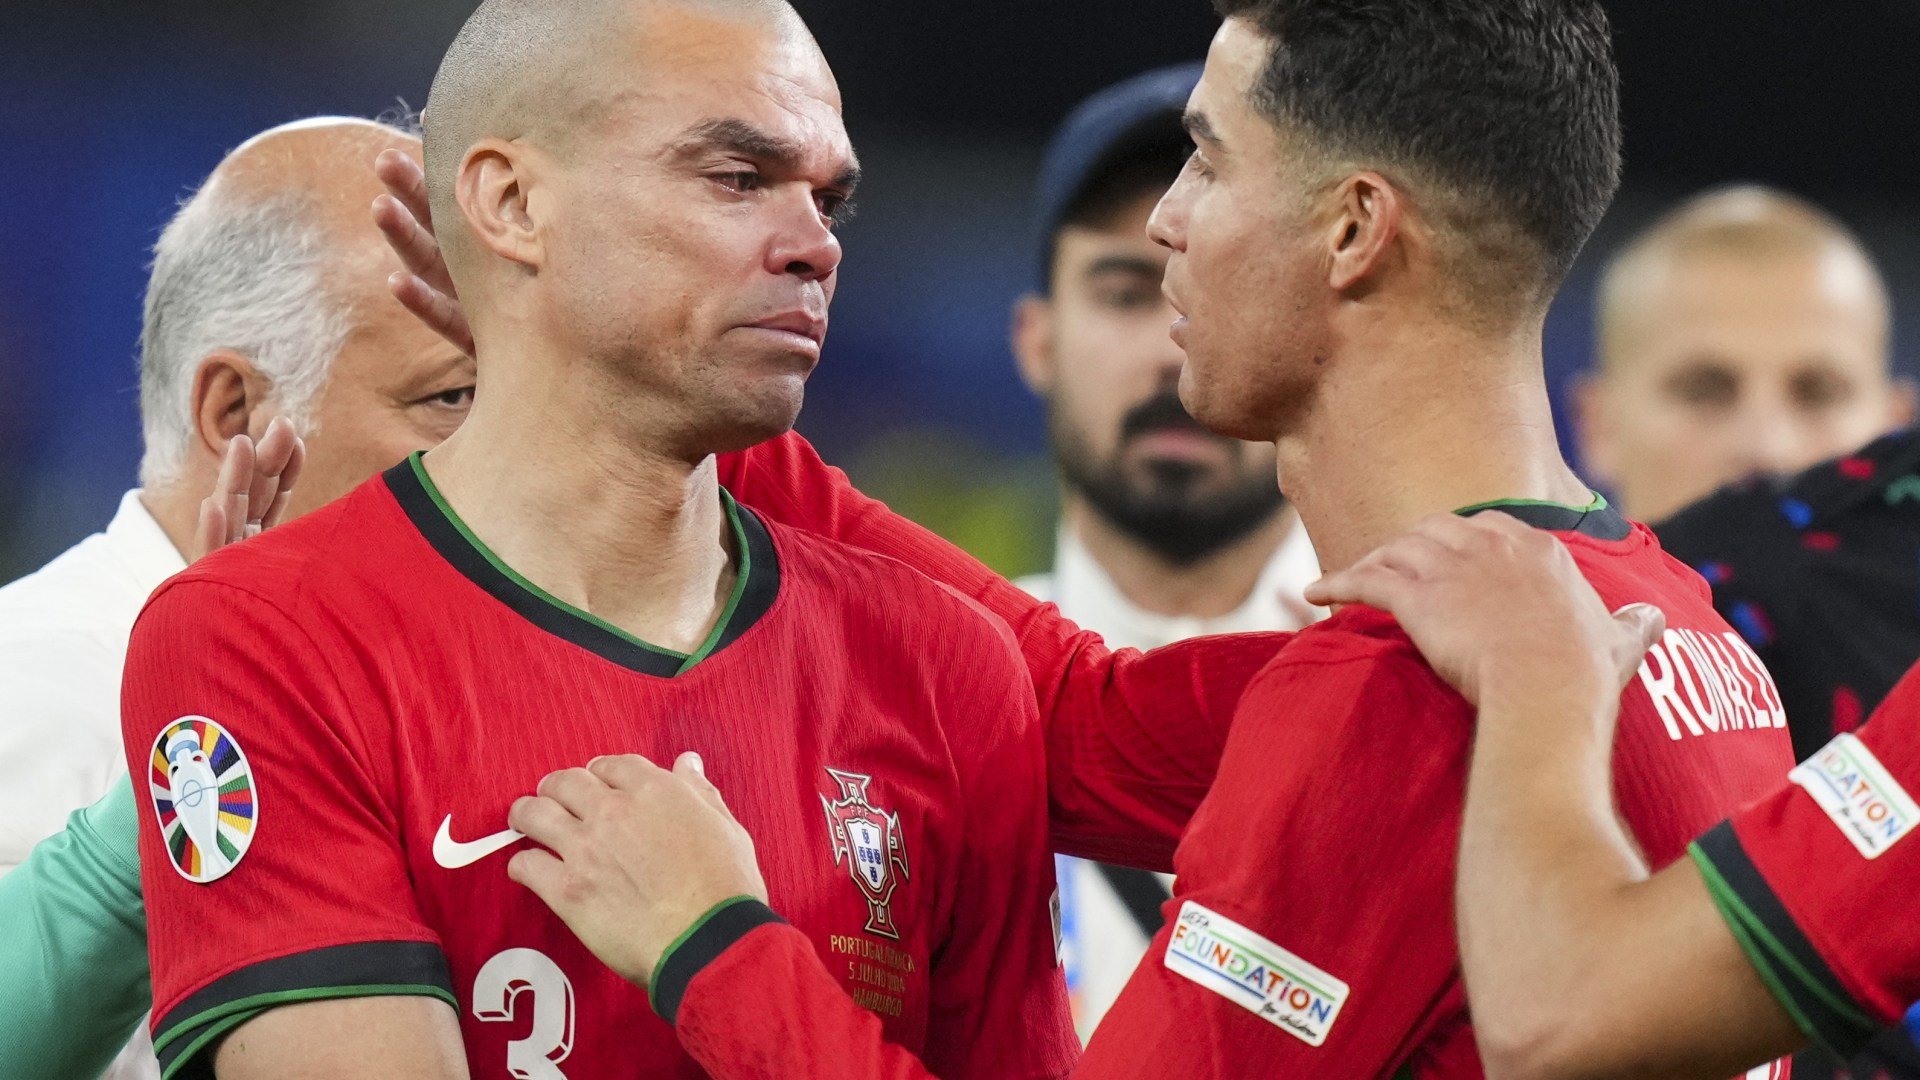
<point x="265" y="317"/>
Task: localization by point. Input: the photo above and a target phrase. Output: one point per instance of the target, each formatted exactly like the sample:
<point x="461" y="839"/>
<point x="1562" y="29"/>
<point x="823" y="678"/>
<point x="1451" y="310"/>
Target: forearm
<point x="1577" y="963"/>
<point x="74" y="946"/>
<point x="752" y="1001"/>
<point x="1133" y="741"/>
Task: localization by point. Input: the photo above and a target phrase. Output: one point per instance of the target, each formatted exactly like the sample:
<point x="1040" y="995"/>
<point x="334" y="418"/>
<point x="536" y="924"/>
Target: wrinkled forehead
<point x="683" y="69"/>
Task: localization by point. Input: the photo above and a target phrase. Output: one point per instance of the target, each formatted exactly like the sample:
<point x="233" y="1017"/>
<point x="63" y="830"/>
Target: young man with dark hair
<point x="1167" y="530"/>
<point x="1382" y="202"/>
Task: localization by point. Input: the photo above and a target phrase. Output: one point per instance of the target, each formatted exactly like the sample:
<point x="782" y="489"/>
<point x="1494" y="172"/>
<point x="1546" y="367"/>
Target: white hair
<point x="243" y="273"/>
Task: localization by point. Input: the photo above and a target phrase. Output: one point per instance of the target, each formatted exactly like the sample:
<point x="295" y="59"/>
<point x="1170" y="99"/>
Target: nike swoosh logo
<point x="454" y="854"/>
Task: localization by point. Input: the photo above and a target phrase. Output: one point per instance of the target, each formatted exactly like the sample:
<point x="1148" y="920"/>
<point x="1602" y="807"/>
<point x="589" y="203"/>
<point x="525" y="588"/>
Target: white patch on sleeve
<point x="1863" y="799"/>
<point x="1254" y="973"/>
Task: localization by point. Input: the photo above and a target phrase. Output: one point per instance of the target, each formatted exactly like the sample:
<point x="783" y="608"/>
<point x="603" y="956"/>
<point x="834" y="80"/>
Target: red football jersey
<point x="1820" y="881"/>
<point x="333" y="719"/>
<point x="1312" y="931"/>
<point x="1312" y="925"/>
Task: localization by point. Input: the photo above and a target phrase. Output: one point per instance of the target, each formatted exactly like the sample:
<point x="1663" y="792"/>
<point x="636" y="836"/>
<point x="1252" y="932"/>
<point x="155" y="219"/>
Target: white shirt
<point x="1102" y="943"/>
<point x="63" y="643"/>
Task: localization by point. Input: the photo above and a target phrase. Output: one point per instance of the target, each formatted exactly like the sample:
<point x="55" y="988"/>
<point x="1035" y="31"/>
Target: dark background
<point x="110" y="112"/>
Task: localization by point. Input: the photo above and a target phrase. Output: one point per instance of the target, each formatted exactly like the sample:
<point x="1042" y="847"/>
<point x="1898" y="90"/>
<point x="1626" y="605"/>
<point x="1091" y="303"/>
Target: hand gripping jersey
<point x="1820" y="881"/>
<point x="1312" y="930"/>
<point x="327" y="725"/>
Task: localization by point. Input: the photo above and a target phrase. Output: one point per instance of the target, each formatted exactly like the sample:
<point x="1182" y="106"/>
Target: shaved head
<point x="637" y="201"/>
<point x="1746" y="333"/>
<point x="542" y="70"/>
<point x="1756" y="226"/>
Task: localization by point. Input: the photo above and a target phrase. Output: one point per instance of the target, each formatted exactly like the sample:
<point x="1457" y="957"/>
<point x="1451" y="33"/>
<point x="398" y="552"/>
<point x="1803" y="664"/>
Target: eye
<point x="742" y="181"/>
<point x="1197" y="164"/>
<point x="1705" y="387"/>
<point x="460" y="397"/>
<point x="838" y="209"/>
<point x="1821" y="390"/>
<point x="1127" y="297"/>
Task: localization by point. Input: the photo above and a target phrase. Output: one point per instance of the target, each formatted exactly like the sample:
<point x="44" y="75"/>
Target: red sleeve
<point x="1817" y="880"/>
<point x="1311" y="932"/>
<point x="999" y="1003"/>
<point x="765" y="1008"/>
<point x="268" y="854"/>
<point x="1132" y="740"/>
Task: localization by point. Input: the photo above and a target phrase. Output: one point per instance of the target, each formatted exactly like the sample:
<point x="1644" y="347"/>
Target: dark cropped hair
<point x="1512" y="104"/>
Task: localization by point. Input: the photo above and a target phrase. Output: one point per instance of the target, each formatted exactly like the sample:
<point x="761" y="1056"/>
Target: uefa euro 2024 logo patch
<point x="869" y="840"/>
<point x="203" y="795"/>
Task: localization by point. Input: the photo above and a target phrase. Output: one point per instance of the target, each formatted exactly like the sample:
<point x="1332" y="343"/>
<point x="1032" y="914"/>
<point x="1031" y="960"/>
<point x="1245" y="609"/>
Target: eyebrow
<point x="737" y="136"/>
<point x="1124" y="264"/>
<point x="1199" y="128"/>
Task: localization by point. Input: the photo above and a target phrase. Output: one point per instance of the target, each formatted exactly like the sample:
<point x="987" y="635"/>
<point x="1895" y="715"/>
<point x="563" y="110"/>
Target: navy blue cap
<point x="1103" y="129"/>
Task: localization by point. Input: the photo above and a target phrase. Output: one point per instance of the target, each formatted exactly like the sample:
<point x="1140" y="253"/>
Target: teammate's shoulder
<point x="1640" y="569"/>
<point x="866" y="584"/>
<point x="1356" y="666"/>
<point x="844" y="566"/>
<point x="1354" y="634"/>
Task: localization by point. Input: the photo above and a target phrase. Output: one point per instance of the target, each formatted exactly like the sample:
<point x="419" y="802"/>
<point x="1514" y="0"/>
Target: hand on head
<point x="1500" y="609"/>
<point x="406" y="220"/>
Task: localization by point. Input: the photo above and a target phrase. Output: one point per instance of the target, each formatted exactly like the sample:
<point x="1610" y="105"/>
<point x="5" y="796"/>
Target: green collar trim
<point x="425" y="502"/>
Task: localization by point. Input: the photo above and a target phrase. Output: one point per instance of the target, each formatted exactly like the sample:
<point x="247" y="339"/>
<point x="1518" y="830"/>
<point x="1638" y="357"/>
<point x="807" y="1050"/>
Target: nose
<point x="806" y="246"/>
<point x="1168" y="225"/>
<point x="1770" y="440"/>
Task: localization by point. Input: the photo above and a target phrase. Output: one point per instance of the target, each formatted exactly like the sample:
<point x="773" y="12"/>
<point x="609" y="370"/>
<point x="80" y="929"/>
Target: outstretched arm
<point x="1575" y="959"/>
<point x="1133" y="740"/>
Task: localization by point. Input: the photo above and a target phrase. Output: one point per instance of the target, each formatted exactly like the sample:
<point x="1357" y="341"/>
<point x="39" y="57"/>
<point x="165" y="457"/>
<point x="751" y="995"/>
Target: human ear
<point x="1364" y="231"/>
<point x="228" y="392"/>
<point x="1033" y="342"/>
<point x="494" y="192"/>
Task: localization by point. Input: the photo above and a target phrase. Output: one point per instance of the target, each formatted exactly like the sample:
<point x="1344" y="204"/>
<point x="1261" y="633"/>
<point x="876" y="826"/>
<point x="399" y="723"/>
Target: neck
<point x="1423" y="422"/>
<point x="175" y="508"/>
<point x="1209" y="588"/>
<point x="589" y="509"/>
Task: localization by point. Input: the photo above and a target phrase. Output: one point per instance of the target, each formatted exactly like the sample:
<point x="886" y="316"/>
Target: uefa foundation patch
<point x="1858" y="793"/>
<point x="203" y="795"/>
<point x="1254" y="973"/>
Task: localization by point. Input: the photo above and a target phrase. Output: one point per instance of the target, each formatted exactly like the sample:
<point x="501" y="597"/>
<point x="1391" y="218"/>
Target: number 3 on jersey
<point x="497" y="993"/>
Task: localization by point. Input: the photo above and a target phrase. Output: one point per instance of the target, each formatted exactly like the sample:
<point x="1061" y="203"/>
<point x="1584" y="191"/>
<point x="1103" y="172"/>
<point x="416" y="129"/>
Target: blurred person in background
<point x="265" y="316"/>
<point x="1746" y="337"/>
<point x="1747" y="333"/>
<point x="1168" y="530"/>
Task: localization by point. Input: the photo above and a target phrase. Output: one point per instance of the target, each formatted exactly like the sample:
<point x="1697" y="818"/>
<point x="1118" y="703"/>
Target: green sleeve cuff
<point x="1799" y="977"/>
<point x="702" y="943"/>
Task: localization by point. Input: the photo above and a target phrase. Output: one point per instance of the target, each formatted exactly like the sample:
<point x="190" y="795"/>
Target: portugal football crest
<point x="203" y="795"/>
<point x="869" y="840"/>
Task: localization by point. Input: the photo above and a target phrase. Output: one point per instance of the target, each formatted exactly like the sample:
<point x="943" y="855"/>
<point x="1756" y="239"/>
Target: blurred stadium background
<point x="111" y="110"/>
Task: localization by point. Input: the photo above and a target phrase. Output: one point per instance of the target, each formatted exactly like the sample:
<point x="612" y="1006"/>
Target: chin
<point x="1219" y="413"/>
<point x="757" y="417"/>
